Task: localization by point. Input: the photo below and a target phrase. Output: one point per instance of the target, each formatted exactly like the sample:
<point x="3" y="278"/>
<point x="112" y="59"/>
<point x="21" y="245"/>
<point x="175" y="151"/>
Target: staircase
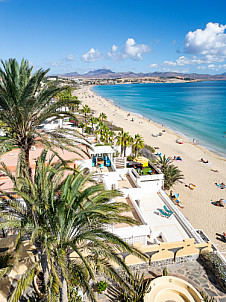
<point x="120" y="162"/>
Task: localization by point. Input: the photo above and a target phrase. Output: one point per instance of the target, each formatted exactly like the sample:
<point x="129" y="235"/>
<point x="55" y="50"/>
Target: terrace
<point x="132" y="213"/>
<point x="126" y="182"/>
<point x="131" y="234"/>
<point x="141" y="169"/>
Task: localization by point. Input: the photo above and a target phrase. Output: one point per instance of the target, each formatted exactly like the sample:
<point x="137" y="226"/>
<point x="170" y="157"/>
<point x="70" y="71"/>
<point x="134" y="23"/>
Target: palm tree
<point x="83" y="126"/>
<point x="86" y="110"/>
<point x="93" y="120"/>
<point x="65" y="218"/>
<point x="128" y="141"/>
<point x="138" y="143"/>
<point x="27" y="102"/>
<point x="139" y="287"/>
<point x="102" y="116"/>
<point x="164" y="161"/>
<point x="124" y="140"/>
<point x="171" y="173"/>
<point x="111" y="137"/>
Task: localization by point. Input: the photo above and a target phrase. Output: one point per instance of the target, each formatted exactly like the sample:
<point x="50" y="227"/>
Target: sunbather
<point x="221" y="186"/>
<point x="171" y="195"/>
<point x="190" y="186"/>
<point x="218" y="203"/>
<point x="214" y="170"/>
<point x="223" y="237"/>
<point x="204" y="161"/>
<point x="178" y="158"/>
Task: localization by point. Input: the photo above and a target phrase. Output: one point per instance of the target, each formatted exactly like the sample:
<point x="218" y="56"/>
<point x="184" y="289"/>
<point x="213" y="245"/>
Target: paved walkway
<point x="193" y="272"/>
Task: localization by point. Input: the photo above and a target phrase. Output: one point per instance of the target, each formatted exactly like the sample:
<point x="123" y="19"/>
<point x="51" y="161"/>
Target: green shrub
<point x="99" y="144"/>
<point x="151" y="149"/>
<point x="206" y="297"/>
<point x="4" y="260"/>
<point x="102" y="286"/>
<point x="165" y="272"/>
<point x="130" y="158"/>
<point x="217" y="267"/>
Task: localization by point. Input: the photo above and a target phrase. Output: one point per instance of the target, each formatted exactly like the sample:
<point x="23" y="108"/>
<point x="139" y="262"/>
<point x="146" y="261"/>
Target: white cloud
<point x="152" y="65"/>
<point x="169" y="63"/>
<point x="55" y="64"/>
<point x="130" y="50"/>
<point x="135" y="51"/>
<point x="183" y="61"/>
<point x="212" y="66"/>
<point x="92" y="56"/>
<point x="210" y="41"/>
<point x="70" y="58"/>
<point x="114" y="48"/>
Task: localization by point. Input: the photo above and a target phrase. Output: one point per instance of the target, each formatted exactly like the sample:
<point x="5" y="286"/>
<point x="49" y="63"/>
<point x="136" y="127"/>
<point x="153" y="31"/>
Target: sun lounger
<point x="164" y="214"/>
<point x="167" y="210"/>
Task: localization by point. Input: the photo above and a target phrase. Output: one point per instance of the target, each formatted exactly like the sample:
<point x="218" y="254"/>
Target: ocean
<point x="194" y="110"/>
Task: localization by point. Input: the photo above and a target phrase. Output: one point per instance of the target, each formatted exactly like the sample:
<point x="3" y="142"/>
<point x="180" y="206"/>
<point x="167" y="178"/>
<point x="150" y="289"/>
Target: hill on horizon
<point x="107" y="73"/>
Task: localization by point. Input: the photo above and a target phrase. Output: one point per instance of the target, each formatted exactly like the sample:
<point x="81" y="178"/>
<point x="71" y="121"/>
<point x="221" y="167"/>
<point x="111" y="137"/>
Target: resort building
<point x="162" y="232"/>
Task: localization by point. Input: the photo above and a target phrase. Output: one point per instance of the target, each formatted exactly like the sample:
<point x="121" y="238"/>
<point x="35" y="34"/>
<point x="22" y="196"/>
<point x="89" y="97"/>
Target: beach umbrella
<point x="176" y="195"/>
<point x="142" y="160"/>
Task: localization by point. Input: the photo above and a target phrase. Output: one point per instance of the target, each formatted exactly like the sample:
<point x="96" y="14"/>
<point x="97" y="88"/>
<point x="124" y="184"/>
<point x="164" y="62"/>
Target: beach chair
<point x="164" y="214"/>
<point x="168" y="211"/>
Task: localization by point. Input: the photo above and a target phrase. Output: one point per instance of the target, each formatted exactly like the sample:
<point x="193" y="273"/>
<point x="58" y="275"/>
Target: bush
<point x="4" y="260"/>
<point x="149" y="148"/>
<point x="129" y="158"/>
<point x="217" y="267"/>
<point x="102" y="286"/>
<point x="206" y="297"/>
<point x="165" y="272"/>
<point x="99" y="144"/>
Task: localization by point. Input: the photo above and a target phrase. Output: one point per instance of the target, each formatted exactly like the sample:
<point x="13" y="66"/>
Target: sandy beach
<point x="197" y="203"/>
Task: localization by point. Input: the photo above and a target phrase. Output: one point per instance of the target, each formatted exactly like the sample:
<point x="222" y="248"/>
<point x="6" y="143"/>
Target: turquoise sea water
<point x="196" y="110"/>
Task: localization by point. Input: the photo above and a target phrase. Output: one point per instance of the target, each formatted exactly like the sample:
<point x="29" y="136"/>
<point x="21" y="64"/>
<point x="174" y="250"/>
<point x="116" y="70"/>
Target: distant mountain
<point x="72" y="74"/>
<point x="99" y="73"/>
<point x="107" y="73"/>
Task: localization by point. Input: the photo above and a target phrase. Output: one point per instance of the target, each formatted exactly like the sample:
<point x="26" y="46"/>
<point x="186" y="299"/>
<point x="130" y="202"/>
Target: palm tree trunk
<point x="27" y="162"/>
<point x="125" y="151"/>
<point x="63" y="292"/>
<point x="136" y="151"/>
<point x="45" y="267"/>
<point x="121" y="148"/>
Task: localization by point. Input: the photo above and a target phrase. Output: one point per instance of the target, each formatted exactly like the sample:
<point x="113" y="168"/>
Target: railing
<point x="134" y="176"/>
<point x="140" y="178"/>
<point x="113" y="165"/>
<point x="172" y="251"/>
<point x="138" y="210"/>
<point x="215" y="249"/>
<point x="189" y="229"/>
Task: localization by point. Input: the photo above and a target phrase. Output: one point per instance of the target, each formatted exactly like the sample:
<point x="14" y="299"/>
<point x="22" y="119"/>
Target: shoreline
<point x="197" y="203"/>
<point x="181" y="135"/>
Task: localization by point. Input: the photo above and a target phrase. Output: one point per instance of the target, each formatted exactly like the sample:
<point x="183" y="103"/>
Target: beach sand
<point x="197" y="203"/>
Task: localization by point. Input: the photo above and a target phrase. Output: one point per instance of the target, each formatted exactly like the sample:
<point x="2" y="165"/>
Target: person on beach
<point x="204" y="161"/>
<point x="219" y="203"/>
<point x="223" y="237"/>
<point x="171" y="194"/>
<point x="190" y="186"/>
<point x="222" y="186"/>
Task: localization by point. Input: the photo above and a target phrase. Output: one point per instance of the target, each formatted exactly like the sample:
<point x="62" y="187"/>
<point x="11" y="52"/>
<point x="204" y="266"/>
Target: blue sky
<point x="139" y="36"/>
